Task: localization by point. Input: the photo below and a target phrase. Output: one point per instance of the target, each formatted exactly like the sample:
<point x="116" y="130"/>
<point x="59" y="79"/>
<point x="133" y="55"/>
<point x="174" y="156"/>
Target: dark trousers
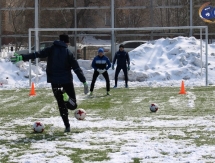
<point x="125" y="70"/>
<point x="95" y="75"/>
<point x="58" y="90"/>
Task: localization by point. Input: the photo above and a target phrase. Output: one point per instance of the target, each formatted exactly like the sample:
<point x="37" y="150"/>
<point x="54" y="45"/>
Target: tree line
<point x="128" y="13"/>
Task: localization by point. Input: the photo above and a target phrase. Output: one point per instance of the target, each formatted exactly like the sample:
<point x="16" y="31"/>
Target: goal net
<point x="203" y="31"/>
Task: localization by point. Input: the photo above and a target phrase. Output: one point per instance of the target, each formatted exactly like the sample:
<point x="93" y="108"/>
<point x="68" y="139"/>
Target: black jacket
<point x="59" y="63"/>
<point x="101" y="63"/>
<point x="122" y="58"/>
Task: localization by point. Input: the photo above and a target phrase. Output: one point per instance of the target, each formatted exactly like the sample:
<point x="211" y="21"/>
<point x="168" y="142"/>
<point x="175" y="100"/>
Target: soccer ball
<point x="38" y="127"/>
<point x="153" y="107"/>
<point x="80" y="114"/>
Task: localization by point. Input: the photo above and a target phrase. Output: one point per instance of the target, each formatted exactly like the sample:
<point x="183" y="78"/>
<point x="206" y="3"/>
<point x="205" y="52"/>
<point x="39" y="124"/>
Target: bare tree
<point x="152" y="13"/>
<point x="16" y="21"/>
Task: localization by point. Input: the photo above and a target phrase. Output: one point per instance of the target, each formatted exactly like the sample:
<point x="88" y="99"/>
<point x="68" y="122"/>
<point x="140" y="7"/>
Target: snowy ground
<point x="181" y="131"/>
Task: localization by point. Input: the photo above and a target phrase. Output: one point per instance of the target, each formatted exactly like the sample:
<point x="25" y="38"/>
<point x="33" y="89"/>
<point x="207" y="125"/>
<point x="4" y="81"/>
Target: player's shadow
<point x="47" y="135"/>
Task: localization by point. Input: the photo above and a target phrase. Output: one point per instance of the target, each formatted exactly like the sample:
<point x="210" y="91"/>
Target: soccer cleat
<point x="108" y="93"/>
<point x="67" y="129"/>
<point x="86" y="90"/>
<point x="126" y="86"/>
<point x="65" y="97"/>
<point x="71" y="104"/>
<point x="115" y="86"/>
<point x="91" y="93"/>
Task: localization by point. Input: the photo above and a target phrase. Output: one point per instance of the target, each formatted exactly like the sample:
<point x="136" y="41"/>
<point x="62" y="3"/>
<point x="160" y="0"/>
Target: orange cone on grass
<point x="32" y="92"/>
<point x="182" y="91"/>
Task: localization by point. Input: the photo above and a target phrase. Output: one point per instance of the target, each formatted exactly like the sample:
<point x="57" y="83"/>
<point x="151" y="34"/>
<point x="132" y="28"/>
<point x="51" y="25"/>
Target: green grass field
<point x="117" y="128"/>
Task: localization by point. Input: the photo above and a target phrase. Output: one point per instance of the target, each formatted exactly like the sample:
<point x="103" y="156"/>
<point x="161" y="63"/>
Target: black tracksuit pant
<point x="125" y="70"/>
<point x="95" y="75"/>
<point x="58" y="90"/>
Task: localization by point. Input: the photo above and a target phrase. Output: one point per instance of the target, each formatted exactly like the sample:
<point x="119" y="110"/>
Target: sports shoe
<point x="115" y="86"/>
<point x="91" y="93"/>
<point x="67" y="129"/>
<point x="126" y="86"/>
<point x="108" y="93"/>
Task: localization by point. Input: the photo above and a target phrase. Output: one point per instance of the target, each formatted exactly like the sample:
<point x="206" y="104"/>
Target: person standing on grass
<point x="59" y="64"/>
<point x="123" y="60"/>
<point x="100" y="64"/>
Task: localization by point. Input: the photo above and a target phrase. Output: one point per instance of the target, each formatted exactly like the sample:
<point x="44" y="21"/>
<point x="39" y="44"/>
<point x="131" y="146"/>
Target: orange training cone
<point x="32" y="92"/>
<point x="182" y="91"/>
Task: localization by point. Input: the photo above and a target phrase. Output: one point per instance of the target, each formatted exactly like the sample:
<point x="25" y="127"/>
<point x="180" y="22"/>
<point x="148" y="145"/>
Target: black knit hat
<point x="64" y="38"/>
<point x="121" y="46"/>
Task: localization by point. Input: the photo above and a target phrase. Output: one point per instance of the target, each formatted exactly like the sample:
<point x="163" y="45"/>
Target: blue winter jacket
<point x="122" y="58"/>
<point x="101" y="63"/>
<point x="59" y="63"/>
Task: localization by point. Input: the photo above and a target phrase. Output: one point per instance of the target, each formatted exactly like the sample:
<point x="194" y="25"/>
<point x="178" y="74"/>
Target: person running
<point x="123" y="60"/>
<point x="60" y="61"/>
<point x="101" y="64"/>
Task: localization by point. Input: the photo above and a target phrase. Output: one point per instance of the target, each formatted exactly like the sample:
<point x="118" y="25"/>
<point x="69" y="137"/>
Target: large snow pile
<point x="167" y="59"/>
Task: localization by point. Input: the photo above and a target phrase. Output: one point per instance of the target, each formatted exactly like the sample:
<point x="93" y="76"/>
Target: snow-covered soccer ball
<point x="38" y="127"/>
<point x="80" y="114"/>
<point x="153" y="107"/>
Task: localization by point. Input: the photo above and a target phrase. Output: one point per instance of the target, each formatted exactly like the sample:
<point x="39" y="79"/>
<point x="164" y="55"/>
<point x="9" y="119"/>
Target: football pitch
<point x="117" y="129"/>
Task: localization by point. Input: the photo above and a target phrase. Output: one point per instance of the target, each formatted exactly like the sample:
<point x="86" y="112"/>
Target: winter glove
<point x="112" y="66"/>
<point x="65" y="97"/>
<point x="128" y="67"/>
<point x="101" y="71"/>
<point x="16" y="58"/>
<point x="86" y="90"/>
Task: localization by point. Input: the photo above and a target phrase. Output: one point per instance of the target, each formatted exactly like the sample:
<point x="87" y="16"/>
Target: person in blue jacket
<point x="60" y="62"/>
<point x="123" y="60"/>
<point x="100" y="64"/>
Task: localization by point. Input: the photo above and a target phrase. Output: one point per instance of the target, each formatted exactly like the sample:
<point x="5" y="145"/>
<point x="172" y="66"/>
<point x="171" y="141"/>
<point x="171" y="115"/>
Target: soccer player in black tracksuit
<point x="100" y="64"/>
<point x="59" y="64"/>
<point x="122" y="58"/>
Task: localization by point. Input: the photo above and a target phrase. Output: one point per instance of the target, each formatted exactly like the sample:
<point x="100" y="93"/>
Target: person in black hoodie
<point x="60" y="61"/>
<point x="100" y="64"/>
<point x="123" y="60"/>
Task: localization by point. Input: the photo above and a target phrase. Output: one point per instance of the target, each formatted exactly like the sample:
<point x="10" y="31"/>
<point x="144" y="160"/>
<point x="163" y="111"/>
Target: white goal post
<point x="112" y="30"/>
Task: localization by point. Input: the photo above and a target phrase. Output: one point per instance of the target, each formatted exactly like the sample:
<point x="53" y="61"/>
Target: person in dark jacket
<point x="59" y="64"/>
<point x="123" y="60"/>
<point x="100" y="64"/>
